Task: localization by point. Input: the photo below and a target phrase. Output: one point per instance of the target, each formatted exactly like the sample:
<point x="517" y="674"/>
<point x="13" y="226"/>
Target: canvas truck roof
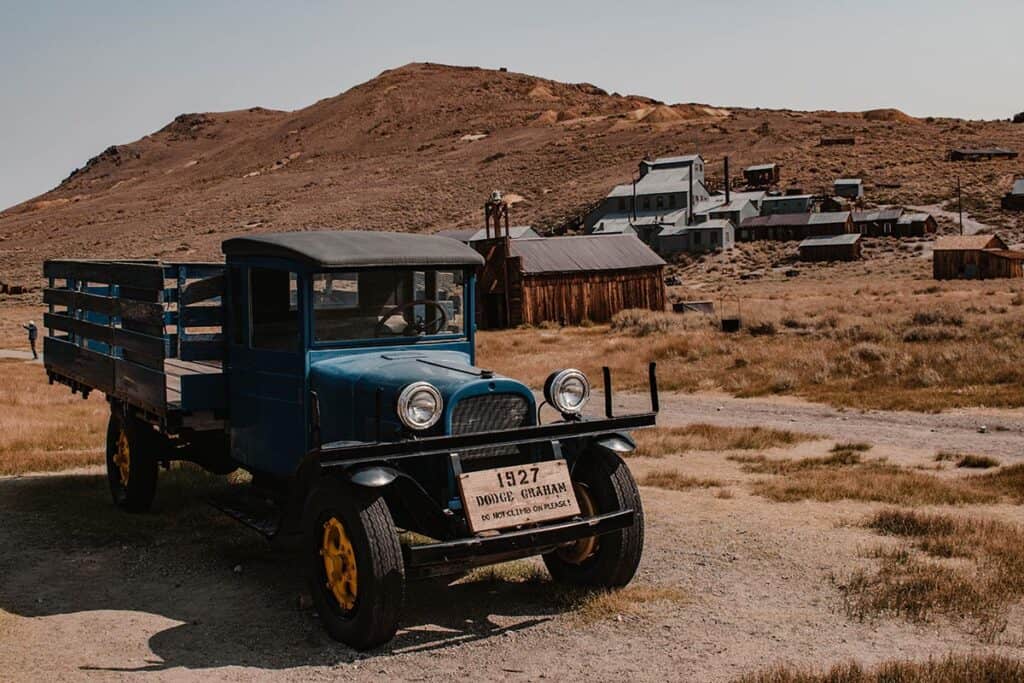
<point x="355" y="249"/>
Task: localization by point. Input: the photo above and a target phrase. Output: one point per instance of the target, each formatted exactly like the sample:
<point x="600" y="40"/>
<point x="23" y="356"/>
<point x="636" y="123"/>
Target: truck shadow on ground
<point x="234" y="596"/>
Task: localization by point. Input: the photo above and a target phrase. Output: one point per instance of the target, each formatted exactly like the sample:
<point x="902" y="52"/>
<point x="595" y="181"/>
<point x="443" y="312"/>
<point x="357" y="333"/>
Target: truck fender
<point x="373" y="477"/>
<point x="616" y="443"/>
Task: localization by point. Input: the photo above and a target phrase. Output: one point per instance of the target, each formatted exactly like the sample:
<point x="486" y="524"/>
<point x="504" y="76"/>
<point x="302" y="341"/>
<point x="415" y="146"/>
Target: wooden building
<point x="761" y="175"/>
<point x="916" y="225"/>
<point x="566" y="279"/>
<point x="981" y="154"/>
<point x="1014" y="199"/>
<point x="831" y="248"/>
<point x="975" y="257"/>
<point x="877" y="222"/>
<point x="795" y="226"/>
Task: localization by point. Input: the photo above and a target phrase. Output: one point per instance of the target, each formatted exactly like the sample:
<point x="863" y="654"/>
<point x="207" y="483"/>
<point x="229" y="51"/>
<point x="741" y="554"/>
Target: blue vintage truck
<point x="338" y="368"/>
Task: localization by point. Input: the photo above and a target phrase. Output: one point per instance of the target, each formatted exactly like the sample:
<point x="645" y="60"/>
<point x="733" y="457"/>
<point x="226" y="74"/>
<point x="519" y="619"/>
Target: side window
<point x="238" y="331"/>
<point x="273" y="309"/>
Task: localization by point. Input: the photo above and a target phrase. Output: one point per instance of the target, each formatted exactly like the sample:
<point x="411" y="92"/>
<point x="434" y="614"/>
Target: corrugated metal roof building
<point x="566" y="279"/>
<point x="831" y="248"/>
<point x="786" y="204"/>
<point x="916" y="225"/>
<point x="877" y="222"/>
<point x="711" y="235"/>
<point x="795" y="226"/>
<point x="516" y="232"/>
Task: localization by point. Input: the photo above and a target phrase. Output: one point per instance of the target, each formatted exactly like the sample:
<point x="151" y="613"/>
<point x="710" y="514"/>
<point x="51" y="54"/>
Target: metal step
<point x="250" y="507"/>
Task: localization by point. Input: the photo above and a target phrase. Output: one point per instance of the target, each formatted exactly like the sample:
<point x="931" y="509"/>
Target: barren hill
<point x="419" y="147"/>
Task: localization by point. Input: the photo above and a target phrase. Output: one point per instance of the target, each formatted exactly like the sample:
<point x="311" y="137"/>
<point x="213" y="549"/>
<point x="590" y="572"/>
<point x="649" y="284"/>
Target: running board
<point x="251" y="508"/>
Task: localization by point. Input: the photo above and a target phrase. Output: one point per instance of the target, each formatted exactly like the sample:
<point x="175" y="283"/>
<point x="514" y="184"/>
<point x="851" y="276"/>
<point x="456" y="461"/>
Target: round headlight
<point x="567" y="390"/>
<point x="420" y="405"/>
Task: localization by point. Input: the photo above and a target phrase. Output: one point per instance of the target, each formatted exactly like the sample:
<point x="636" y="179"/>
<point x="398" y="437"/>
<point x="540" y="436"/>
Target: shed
<point x="566" y="279"/>
<point x="831" y="248"/>
<point x="761" y="175"/>
<point x="1014" y="199"/>
<point x="795" y="226"/>
<point x="851" y="188"/>
<point x="877" y="222"/>
<point x="967" y="257"/>
<point x="916" y="225"/>
<point x="981" y="154"/>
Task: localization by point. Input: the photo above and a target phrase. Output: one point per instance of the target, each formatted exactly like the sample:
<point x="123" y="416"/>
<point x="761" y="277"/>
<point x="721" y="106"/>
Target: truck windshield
<point x="374" y="304"/>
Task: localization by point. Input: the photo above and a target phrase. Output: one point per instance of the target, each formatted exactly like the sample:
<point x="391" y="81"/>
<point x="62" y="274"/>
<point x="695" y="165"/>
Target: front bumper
<point x="349" y="454"/>
<point x="521" y="542"/>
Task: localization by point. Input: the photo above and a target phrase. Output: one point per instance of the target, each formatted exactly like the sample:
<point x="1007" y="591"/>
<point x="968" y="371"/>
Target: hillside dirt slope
<point x="419" y="148"/>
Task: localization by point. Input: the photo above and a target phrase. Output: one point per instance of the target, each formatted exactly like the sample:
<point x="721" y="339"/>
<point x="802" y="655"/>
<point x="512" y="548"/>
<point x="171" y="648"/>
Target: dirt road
<point x="87" y="591"/>
<point x="952" y="430"/>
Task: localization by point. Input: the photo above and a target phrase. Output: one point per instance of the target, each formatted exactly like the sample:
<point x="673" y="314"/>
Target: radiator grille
<point x="487" y="413"/>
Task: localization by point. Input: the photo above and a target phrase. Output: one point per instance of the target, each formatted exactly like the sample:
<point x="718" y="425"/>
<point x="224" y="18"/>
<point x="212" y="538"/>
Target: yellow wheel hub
<point x="580" y="550"/>
<point x="339" y="564"/>
<point x="123" y="457"/>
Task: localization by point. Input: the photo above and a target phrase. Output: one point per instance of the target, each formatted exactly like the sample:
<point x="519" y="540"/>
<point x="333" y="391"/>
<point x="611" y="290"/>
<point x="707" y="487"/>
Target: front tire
<point x="354" y="564"/>
<point x="132" y="461"/>
<point x="603" y="483"/>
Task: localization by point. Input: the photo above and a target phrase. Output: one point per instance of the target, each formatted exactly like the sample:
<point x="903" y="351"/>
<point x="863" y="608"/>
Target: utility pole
<point x="960" y="205"/>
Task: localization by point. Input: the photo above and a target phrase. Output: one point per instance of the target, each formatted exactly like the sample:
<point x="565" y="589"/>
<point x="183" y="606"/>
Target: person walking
<point x="33" y="332"/>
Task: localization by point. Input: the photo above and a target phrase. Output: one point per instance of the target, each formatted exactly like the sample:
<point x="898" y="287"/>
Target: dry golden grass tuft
<point x="759" y="464"/>
<point x="981" y="462"/>
<point x="963" y="568"/>
<point x="819" y="479"/>
<point x="878" y="482"/>
<point x="674" y="481"/>
<point x="662" y="441"/>
<point x="586" y="606"/>
<point x="516" y="571"/>
<point x="957" y="668"/>
<point x="46" y="428"/>
<point x="635" y="600"/>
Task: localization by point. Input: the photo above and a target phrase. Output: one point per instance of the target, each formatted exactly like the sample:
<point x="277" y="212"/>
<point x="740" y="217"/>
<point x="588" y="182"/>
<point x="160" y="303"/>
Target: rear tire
<point x="354" y="564"/>
<point x="610" y="486"/>
<point x="133" y="455"/>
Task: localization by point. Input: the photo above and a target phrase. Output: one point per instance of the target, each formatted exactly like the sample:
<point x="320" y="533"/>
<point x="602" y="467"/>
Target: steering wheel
<point x="439" y="322"/>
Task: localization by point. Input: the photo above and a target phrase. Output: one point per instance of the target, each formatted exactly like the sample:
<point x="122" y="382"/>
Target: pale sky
<point x="76" y="77"/>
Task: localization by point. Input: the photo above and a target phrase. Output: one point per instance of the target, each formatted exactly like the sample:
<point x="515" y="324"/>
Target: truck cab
<point x="348" y="387"/>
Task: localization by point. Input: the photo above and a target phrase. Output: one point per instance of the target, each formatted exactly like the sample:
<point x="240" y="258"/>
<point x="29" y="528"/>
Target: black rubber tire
<point x="614" y="562"/>
<point x="380" y="569"/>
<point x="145" y="447"/>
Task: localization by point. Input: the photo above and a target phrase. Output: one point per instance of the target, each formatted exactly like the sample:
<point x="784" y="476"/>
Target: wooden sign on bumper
<point x="522" y="494"/>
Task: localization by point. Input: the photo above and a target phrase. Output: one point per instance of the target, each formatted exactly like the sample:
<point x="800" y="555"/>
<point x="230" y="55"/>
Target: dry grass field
<point x="871" y="342"/>
<point x="44" y="428"/>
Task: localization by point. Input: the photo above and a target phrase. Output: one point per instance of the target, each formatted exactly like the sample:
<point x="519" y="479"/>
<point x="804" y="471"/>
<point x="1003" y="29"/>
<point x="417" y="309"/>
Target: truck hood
<point x="347" y="387"/>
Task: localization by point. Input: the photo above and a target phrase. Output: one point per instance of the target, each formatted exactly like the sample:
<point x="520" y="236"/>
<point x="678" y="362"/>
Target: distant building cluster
<point x="670" y="208"/>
